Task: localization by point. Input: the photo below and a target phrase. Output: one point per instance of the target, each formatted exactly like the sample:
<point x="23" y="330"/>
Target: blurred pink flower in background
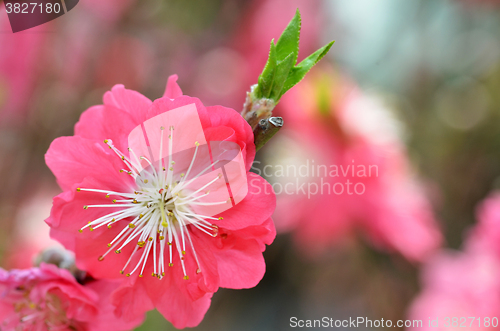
<point x="31" y="233"/>
<point x="465" y="284"/>
<point x="459" y="285"/>
<point x="485" y="236"/>
<point x="21" y="61"/>
<point x="126" y="60"/>
<point x="48" y="298"/>
<point x="108" y="11"/>
<point x="365" y="184"/>
<point x="228" y="255"/>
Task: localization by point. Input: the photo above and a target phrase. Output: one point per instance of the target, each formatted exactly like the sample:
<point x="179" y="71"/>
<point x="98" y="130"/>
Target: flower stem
<point x="265" y="130"/>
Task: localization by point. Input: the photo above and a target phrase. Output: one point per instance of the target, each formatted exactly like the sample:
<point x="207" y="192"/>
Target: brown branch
<point x="265" y="130"/>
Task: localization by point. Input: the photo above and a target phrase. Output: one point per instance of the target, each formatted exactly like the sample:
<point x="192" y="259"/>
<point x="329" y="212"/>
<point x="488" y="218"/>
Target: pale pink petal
<point x="173" y="90"/>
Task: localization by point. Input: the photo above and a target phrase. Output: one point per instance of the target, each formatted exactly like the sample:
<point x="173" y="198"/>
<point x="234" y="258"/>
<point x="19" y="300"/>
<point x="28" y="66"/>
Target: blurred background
<point x="410" y="87"/>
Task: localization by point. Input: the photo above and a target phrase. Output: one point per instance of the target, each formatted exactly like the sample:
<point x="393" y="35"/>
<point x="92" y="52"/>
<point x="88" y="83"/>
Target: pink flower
<point x="485" y="236"/>
<point x="459" y="285"/>
<point x="465" y="284"/>
<point x="48" y="298"/>
<point x="362" y="182"/>
<point x="189" y="225"/>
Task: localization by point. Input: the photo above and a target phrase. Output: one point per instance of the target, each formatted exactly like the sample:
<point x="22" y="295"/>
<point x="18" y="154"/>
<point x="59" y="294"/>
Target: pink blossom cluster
<point x="49" y="298"/>
<point x="463" y="287"/>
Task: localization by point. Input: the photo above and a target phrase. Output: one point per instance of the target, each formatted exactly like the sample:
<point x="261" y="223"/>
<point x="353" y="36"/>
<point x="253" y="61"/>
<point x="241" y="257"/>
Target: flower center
<point x="49" y="311"/>
<point x="163" y="209"/>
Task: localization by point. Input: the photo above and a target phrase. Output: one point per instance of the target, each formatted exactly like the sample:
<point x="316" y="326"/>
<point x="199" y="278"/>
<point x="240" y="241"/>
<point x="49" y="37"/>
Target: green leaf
<point x="281" y="73"/>
<point x="267" y="75"/>
<point x="289" y="39"/>
<point x="299" y="71"/>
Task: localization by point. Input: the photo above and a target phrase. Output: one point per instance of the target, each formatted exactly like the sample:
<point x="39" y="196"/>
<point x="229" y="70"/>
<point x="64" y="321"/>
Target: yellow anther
<point x="182" y="175"/>
<point x="183" y="252"/>
<point x="163" y="274"/>
<point x="80" y="230"/>
<point x="141" y="243"/>
<point x="197" y="143"/>
<point x="128" y="275"/>
<point x="131" y="225"/>
<point x="173" y="162"/>
<point x="221" y="218"/>
<point x="153" y="274"/>
<point x="78" y="189"/>
<point x="141" y="216"/>
<point x="109" y="226"/>
<point x="170" y="264"/>
<point x="145" y="181"/>
<point x="171" y="169"/>
<point x="85" y="207"/>
<point x="121" y="271"/>
<point x="140" y="275"/>
<point x="162" y="237"/>
<point x="114" y="200"/>
<point x="186" y="277"/>
<point x="91" y="228"/>
<point x="118" y="251"/>
<point x="170" y="244"/>
<point x="106" y="141"/>
<point x="123" y="157"/>
<point x="109" y="245"/>
<point x="150" y="239"/>
<point x="107" y="195"/>
<point x="162" y="128"/>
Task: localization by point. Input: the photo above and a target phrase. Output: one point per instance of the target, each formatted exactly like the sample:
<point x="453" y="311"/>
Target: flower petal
<point x="226" y="117"/>
<point x="95" y="123"/>
<point x="254" y="209"/>
<point x="131" y="102"/>
<point x="173" y="90"/>
<point x="71" y="159"/>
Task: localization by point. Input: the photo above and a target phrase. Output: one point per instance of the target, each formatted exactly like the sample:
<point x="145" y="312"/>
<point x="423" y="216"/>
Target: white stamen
<point x="156" y="213"/>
